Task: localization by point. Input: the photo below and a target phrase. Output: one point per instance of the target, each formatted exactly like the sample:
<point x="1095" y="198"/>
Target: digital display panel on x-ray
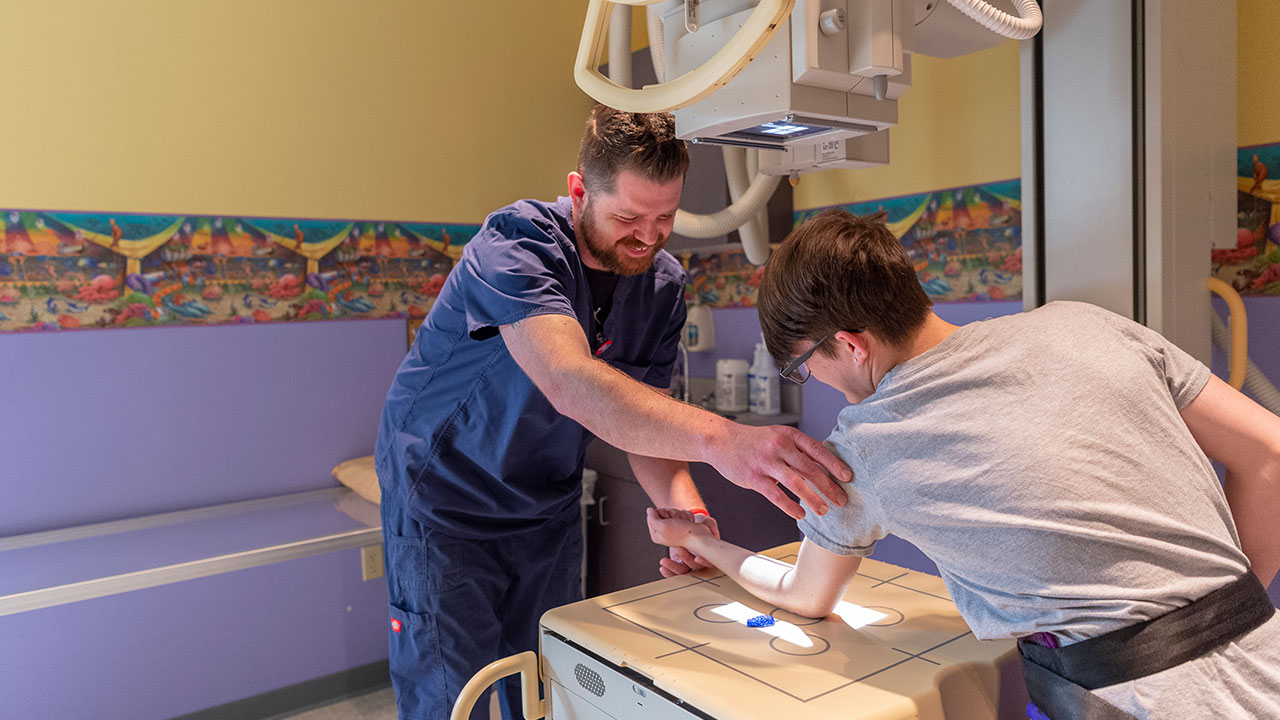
<point x="780" y="130"/>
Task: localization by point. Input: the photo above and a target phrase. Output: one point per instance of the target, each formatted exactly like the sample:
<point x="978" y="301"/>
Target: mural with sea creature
<point x="1250" y="262"/>
<point x="966" y="244"/>
<point x="71" y="270"/>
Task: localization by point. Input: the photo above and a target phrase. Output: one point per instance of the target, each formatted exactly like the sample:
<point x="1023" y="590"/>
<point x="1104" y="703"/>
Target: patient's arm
<point x="811" y="587"/>
<point x="1245" y="438"/>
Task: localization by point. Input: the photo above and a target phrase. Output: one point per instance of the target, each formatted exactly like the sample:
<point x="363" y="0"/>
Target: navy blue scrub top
<point x="467" y="444"/>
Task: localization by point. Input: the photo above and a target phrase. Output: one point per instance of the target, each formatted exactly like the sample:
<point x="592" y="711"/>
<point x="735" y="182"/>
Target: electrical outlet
<point x="371" y="562"/>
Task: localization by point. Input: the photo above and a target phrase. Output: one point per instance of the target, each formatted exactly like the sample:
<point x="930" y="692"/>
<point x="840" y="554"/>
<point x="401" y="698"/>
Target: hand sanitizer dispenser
<point x="699" y="329"/>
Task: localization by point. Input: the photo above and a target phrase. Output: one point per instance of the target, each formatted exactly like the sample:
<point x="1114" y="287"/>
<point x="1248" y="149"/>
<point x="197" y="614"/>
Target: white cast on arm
<point x="812" y="587"/>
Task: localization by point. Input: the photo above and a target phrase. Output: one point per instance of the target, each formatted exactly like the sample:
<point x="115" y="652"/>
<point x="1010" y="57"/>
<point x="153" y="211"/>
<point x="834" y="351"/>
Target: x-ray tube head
<point x="799" y="90"/>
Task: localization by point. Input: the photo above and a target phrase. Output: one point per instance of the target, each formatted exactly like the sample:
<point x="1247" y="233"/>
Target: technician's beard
<point x="608" y="254"/>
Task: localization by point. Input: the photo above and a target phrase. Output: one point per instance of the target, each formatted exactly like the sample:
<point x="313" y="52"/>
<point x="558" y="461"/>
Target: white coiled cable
<point x="657" y="43"/>
<point x="620" y="45"/>
<point x="1001" y="22"/>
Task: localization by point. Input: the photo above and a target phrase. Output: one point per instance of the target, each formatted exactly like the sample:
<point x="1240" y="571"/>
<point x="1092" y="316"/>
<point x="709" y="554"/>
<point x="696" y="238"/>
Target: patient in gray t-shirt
<point x="1054" y="464"/>
<point x="1023" y="455"/>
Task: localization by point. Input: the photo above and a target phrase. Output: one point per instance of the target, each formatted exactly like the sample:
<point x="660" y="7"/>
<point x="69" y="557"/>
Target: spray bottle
<point x="765" y="394"/>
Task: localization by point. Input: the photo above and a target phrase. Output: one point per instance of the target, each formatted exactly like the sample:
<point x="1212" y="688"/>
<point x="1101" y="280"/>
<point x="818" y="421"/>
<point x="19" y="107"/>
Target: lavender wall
<point x="100" y="425"/>
<point x="1263" y="315"/>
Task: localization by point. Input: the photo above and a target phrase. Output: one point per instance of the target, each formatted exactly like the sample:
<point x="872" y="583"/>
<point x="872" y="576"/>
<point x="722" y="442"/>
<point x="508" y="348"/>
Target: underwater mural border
<point x="1250" y="262"/>
<point x="63" y="270"/>
<point x="965" y="243"/>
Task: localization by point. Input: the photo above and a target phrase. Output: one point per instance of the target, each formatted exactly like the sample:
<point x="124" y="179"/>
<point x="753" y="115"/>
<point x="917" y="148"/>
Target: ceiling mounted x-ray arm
<point x="687" y="89"/>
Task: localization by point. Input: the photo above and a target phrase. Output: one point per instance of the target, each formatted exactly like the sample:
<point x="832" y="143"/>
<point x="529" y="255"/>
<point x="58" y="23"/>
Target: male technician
<point x="560" y="322"/>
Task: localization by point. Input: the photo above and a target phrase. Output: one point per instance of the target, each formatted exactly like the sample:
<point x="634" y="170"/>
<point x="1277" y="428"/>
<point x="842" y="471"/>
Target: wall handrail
<point x="293" y="526"/>
<point x="203" y="567"/>
<point x="143" y="522"/>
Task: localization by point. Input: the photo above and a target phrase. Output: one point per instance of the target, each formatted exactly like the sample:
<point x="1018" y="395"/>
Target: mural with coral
<point x="1250" y="262"/>
<point x="68" y="270"/>
<point x="966" y="244"/>
<point x="722" y="279"/>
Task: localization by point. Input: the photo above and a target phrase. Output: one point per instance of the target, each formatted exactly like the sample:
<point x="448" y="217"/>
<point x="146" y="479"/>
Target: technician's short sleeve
<point x="513" y="271"/>
<point x="852" y="528"/>
<point x="664" y="356"/>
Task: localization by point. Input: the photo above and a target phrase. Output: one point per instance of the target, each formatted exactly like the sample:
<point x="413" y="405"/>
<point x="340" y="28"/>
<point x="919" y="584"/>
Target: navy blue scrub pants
<point x="458" y="605"/>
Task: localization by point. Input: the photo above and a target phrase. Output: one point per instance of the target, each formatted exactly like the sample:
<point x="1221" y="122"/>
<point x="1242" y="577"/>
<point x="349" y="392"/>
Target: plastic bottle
<point x="699" y="329"/>
<point x="766" y="394"/>
<point x="731" y="385"/>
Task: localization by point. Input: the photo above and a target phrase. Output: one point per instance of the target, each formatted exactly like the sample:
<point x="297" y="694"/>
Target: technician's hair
<point x="836" y="272"/>
<point x="644" y="143"/>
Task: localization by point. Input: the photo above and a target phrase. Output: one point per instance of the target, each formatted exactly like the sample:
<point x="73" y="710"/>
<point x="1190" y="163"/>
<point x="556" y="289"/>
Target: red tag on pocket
<point x="395" y="624"/>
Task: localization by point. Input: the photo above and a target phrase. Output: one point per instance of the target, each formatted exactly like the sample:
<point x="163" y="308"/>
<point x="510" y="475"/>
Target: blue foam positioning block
<point x="760" y="621"/>
<point x="1033" y="713"/>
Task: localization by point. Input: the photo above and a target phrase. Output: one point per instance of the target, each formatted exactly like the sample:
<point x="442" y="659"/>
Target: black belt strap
<point x="1054" y="674"/>
<point x="1060" y="699"/>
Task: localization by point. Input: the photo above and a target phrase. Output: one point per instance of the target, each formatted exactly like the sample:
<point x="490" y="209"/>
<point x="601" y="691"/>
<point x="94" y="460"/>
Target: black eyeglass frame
<point x="791" y="370"/>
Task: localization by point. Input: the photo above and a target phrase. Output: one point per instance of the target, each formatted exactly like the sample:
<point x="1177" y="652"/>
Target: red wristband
<point x="700" y="511"/>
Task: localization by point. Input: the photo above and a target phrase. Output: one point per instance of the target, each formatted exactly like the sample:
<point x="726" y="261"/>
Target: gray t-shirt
<point x="1041" y="461"/>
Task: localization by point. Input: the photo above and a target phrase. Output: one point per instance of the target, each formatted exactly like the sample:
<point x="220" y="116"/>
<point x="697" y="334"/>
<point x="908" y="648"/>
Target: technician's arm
<point x="1244" y="437"/>
<point x="812" y="587"/>
<point x="634" y="417"/>
<point x="666" y="482"/>
<point x="669" y="484"/>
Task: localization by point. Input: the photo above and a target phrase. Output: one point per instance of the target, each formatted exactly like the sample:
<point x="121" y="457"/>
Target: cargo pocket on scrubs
<point x="415" y="657"/>
<point x="413" y="648"/>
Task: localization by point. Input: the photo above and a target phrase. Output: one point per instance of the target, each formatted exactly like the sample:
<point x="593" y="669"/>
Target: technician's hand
<point x="673" y="527"/>
<point x="682" y="560"/>
<point x="767" y="459"/>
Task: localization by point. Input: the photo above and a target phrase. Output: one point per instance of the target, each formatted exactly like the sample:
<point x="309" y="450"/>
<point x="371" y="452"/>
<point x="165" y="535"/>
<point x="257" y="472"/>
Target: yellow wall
<point x="395" y="109"/>
<point x="959" y="124"/>
<point x="405" y="109"/>
<point x="1258" y="72"/>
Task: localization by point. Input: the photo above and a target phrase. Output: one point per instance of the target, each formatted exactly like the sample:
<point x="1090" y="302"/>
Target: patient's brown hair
<point x="834" y="272"/>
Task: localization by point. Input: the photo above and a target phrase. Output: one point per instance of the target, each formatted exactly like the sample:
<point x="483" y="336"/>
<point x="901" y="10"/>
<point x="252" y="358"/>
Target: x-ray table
<point x="697" y="646"/>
